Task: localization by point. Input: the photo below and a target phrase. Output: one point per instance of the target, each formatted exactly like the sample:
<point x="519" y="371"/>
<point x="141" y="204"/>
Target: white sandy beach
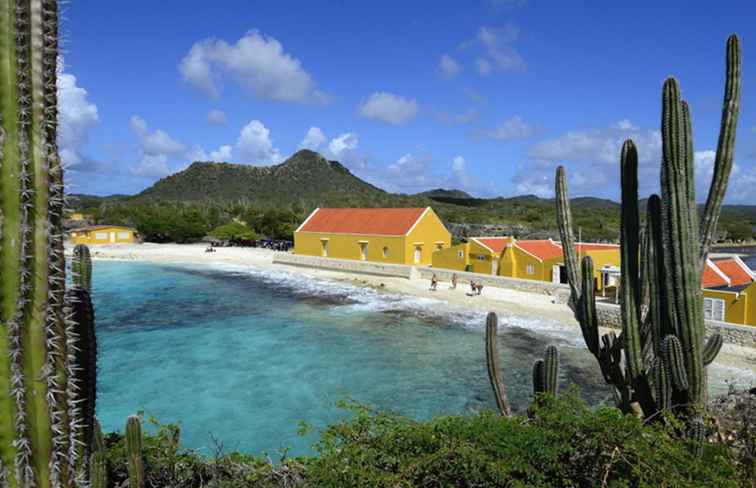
<point x="493" y="299"/>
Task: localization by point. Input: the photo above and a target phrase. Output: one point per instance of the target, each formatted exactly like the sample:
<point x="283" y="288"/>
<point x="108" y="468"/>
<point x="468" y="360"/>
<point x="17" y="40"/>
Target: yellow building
<point x="103" y="234"/>
<point x="729" y="289"/>
<point x="478" y="255"/>
<point x="383" y="235"/>
<point x="78" y="216"/>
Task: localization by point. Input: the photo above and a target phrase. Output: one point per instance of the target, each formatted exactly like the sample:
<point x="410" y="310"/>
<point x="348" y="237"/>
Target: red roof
<point x="711" y="278"/>
<point x="591" y="246"/>
<point x="496" y="244"/>
<point x="365" y="221"/>
<point x="734" y="270"/>
<point x="543" y="250"/>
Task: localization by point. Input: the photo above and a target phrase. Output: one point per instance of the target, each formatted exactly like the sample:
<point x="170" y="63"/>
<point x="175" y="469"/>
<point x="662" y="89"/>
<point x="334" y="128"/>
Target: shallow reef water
<point x="243" y="355"/>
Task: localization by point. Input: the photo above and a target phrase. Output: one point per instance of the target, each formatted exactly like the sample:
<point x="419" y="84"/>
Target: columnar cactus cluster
<point x="659" y="360"/>
<point x="46" y="395"/>
<point x="134" y="451"/>
<point x="546" y="373"/>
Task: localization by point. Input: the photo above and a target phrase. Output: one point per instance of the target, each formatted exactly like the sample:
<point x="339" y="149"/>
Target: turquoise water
<point x="246" y="355"/>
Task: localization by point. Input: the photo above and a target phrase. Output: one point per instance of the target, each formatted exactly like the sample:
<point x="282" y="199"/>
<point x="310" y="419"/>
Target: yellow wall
<point x="481" y="258"/>
<point x="429" y="234"/>
<point x="449" y="258"/>
<point x="740" y="308"/>
<point x="515" y="261"/>
<point x="104" y="235"/>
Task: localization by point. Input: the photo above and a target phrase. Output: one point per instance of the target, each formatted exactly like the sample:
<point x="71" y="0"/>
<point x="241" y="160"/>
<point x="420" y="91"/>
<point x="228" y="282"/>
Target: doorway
<point x="495" y="266"/>
<point x="418" y="254"/>
<point x="363" y="251"/>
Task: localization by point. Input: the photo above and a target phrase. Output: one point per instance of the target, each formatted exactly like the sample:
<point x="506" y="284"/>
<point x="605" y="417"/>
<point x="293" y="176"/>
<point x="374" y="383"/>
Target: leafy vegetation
<point x="562" y="443"/>
<point x="233" y="231"/>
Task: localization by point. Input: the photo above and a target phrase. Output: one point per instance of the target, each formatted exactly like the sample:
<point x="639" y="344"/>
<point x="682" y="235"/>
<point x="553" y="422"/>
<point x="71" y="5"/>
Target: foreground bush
<point x="563" y="443"/>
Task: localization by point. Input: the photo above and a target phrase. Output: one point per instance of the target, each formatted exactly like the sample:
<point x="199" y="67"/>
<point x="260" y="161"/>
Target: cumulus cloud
<point x="625" y="125"/>
<point x="460" y="177"/>
<point x="77" y="117"/>
<point x="412" y="172"/>
<point x="389" y="108"/>
<point x="255" y="145"/>
<point x="511" y="129"/>
<point x="257" y="62"/>
<point x="448" y="67"/>
<point x="345" y="149"/>
<point x="217" y="117"/>
<point x="156" y="148"/>
<point x="498" y="45"/>
<point x="222" y="154"/>
<point x="313" y="139"/>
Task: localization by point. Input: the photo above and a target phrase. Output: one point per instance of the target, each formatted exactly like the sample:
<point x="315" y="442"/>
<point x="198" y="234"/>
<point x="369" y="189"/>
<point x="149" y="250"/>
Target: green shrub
<point x="234" y="231"/>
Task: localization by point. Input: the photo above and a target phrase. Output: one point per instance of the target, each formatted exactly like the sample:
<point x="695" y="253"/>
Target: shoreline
<point x="500" y="300"/>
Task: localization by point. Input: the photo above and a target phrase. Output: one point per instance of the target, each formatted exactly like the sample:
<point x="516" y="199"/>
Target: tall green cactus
<point x="134" y="452"/>
<point x="40" y="417"/>
<point x="659" y="360"/>
<point x="546" y="373"/>
<point x="98" y="461"/>
<point x="81" y="268"/>
<point x="494" y="371"/>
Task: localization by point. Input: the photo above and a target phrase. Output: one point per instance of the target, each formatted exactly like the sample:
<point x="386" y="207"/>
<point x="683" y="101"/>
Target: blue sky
<point x="488" y="97"/>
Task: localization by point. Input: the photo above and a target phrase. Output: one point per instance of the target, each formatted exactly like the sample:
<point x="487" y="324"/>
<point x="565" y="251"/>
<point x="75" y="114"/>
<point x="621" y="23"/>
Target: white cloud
<point x="460" y="177"/>
<point x="257" y="62"/>
<point x="448" y="67"/>
<point x="255" y="145"/>
<point x="499" y="47"/>
<point x="222" y="154"/>
<point x="346" y="149"/>
<point x="217" y="117"/>
<point x="388" y="108"/>
<point x="625" y="124"/>
<point x="511" y="129"/>
<point x="156" y="148"/>
<point x="313" y="139"/>
<point x="484" y="67"/>
<point x="77" y="117"/>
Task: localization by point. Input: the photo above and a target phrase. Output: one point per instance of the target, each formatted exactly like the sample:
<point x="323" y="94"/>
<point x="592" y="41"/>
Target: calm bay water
<point x="245" y="355"/>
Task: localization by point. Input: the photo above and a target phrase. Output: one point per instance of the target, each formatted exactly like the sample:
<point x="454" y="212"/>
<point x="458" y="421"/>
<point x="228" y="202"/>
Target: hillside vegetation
<point x="206" y="195"/>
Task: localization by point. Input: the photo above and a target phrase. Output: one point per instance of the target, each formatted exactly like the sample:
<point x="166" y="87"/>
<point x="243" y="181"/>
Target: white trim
<point x="744" y="266"/>
<point x="721" y="274"/>
<point x="307" y="220"/>
<point x="481" y="244"/>
<point x="416" y="222"/>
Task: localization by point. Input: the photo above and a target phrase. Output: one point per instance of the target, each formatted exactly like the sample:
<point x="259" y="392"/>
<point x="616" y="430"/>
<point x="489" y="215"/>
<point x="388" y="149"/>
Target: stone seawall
<point x="347" y="265"/>
<point x="560" y="292"/>
<point x="741" y="335"/>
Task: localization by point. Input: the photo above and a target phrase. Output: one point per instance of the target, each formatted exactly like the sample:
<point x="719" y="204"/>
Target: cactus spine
<point x="98" y="462"/>
<point x="81" y="268"/>
<point x="134" y="451"/>
<point x="494" y="371"/>
<point x="39" y="413"/>
<point x="662" y="306"/>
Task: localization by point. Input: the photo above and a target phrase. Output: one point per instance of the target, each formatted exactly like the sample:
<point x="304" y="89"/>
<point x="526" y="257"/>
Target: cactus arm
<point x="81" y="267"/>
<point x="494" y="371"/>
<point x="588" y="316"/>
<point x="564" y="222"/>
<point x="725" y="146"/>
<point x="673" y="359"/>
<point x="98" y="461"/>
<point x="539" y="377"/>
<point x="134" y="452"/>
<point x="551" y="370"/>
<point x="711" y="349"/>
<point x="629" y="248"/>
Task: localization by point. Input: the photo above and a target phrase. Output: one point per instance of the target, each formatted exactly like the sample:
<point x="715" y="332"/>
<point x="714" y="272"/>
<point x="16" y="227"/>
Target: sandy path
<point x="493" y="299"/>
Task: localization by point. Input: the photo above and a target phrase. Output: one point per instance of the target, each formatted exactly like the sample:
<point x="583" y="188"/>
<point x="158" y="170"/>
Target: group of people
<point x="477" y="288"/>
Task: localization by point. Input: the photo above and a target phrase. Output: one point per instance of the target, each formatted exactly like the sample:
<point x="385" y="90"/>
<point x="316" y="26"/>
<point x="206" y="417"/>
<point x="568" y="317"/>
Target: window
<point x="480" y="257"/>
<point x="460" y="254"/>
<point x="101" y="236"/>
<point x="439" y="246"/>
<point x="123" y="236"/>
<point x="385" y="251"/>
<point x="714" y="309"/>
<point x="324" y="243"/>
<point x="531" y="269"/>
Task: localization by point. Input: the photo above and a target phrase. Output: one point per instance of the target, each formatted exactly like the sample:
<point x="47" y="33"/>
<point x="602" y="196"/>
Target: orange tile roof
<point x="710" y="277"/>
<point x="543" y="250"/>
<point x="366" y="221"/>
<point x="734" y="271"/>
<point x="592" y="246"/>
<point x="496" y="244"/>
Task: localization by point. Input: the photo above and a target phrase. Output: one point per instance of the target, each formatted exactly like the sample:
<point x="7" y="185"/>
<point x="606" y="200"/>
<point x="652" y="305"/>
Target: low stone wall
<point x="347" y="265"/>
<point x="560" y="292"/>
<point x="741" y="335"/>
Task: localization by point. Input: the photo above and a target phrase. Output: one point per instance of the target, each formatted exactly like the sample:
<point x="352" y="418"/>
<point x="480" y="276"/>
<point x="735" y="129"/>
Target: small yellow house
<point x="103" y="234"/>
<point x="478" y="255"/>
<point x="382" y="235"/>
<point x="729" y="289"/>
<point x="78" y="216"/>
